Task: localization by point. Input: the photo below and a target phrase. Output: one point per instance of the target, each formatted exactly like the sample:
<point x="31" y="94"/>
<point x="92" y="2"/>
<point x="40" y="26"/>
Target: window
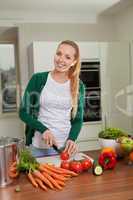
<point x="8" y="79"/>
<point x="90" y="75"/>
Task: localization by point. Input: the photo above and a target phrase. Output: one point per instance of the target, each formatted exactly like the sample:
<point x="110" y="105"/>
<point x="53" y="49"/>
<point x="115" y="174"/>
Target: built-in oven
<point x="90" y="75"/>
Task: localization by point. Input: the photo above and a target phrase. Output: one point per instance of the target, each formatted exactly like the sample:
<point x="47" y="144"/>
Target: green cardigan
<point x="29" y="108"/>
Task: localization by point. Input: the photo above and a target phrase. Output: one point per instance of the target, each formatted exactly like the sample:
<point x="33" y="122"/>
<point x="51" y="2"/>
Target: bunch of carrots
<point x="41" y="175"/>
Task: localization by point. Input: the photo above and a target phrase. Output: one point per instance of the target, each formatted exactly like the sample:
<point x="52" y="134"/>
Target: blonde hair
<point x="74" y="72"/>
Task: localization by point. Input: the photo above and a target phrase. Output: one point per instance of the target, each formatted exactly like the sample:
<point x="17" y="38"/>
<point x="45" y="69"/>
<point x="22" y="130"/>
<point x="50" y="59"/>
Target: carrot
<point x="61" y="183"/>
<point x="66" y="175"/>
<point x="44" y="169"/>
<point x="55" y="175"/>
<point x="14" y="164"/>
<point x="41" y="168"/>
<point x="52" y="180"/>
<point x="13" y="169"/>
<point x="40" y="183"/>
<point x="52" y="168"/>
<point x="66" y="171"/>
<point x="59" y="177"/>
<point x="31" y="178"/>
<point x="13" y="174"/>
<point x="60" y="170"/>
<point x="37" y="174"/>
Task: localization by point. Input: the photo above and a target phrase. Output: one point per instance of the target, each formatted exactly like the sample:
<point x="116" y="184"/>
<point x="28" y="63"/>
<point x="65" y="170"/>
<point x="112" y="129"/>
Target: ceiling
<point x="72" y="11"/>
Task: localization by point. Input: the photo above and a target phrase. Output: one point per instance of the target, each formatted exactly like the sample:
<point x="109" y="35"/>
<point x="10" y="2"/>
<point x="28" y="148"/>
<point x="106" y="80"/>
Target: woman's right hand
<point x="49" y="138"/>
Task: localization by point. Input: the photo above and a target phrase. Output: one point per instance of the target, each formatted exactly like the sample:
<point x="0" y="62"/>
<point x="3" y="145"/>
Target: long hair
<point x="73" y="74"/>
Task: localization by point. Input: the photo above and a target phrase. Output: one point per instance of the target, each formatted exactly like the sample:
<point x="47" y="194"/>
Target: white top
<point x="55" y="111"/>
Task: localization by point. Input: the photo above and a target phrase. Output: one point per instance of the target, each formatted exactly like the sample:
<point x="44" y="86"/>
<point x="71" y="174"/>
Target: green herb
<point x="17" y="189"/>
<point x="112" y="133"/>
<point x="26" y="161"/>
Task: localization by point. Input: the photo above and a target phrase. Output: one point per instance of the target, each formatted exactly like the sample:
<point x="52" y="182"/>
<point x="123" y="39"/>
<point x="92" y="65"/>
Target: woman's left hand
<point x="71" y="147"/>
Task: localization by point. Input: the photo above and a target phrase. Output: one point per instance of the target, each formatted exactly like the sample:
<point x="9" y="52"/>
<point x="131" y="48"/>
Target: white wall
<point x="115" y="81"/>
<point x="124" y="32"/>
<point x="8" y="34"/>
<point x="124" y="24"/>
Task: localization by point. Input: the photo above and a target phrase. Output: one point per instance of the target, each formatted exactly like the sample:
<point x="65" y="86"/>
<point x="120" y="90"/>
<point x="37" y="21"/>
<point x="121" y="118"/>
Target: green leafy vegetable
<point x="111" y="133"/>
<point x="26" y="162"/>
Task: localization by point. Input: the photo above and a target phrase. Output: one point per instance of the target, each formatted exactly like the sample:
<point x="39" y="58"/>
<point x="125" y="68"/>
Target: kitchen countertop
<point x="112" y="185"/>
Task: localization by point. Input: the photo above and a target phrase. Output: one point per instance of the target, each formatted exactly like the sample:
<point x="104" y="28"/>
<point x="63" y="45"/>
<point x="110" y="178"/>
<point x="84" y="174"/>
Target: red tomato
<point x="86" y="164"/>
<point x="76" y="166"/>
<point x="65" y="164"/>
<point x="64" y="155"/>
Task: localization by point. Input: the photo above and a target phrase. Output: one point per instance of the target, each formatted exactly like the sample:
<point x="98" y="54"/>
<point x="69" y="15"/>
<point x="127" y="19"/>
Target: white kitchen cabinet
<point x="41" y="56"/>
<point x="89" y="50"/>
<point x="41" y="59"/>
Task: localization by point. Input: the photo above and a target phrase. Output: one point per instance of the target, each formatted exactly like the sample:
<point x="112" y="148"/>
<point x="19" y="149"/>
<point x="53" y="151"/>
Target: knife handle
<point x="55" y="147"/>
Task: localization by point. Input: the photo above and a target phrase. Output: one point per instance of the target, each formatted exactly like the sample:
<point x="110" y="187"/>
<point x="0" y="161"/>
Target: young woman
<point x="52" y="106"/>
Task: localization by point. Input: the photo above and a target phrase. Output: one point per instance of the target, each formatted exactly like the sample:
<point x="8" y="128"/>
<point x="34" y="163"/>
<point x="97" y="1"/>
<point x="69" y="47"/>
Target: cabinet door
<point x="115" y="83"/>
<point x="89" y="50"/>
<point x="43" y="55"/>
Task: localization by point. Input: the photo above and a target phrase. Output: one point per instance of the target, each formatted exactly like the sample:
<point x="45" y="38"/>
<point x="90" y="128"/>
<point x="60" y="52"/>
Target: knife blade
<point x="59" y="150"/>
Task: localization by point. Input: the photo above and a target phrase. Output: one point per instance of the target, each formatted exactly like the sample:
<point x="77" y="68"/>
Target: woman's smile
<point x="64" y="58"/>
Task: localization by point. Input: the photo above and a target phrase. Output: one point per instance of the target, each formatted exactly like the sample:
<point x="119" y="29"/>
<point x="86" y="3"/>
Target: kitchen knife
<point x="59" y="150"/>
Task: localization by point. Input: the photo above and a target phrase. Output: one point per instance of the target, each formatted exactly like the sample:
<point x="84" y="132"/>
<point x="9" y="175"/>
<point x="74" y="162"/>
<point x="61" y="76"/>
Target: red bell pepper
<point x="107" y="160"/>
